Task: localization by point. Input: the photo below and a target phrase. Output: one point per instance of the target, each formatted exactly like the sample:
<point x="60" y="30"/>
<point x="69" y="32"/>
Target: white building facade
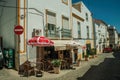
<point x="82" y="28"/>
<point x="101" y="35"/>
<point x="113" y="37"/>
<point x="59" y="21"/>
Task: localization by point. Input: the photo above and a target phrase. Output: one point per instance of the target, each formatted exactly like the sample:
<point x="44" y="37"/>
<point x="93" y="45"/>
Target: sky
<point x="106" y="10"/>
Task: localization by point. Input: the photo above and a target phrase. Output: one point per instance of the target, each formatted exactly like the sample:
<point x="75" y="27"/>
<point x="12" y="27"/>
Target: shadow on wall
<point x="108" y="70"/>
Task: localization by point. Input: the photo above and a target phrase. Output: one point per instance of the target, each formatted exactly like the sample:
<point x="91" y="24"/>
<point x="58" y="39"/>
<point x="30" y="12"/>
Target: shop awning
<point x="73" y="43"/>
<point x="40" y="41"/>
<point x="66" y="44"/>
<point x="59" y="44"/>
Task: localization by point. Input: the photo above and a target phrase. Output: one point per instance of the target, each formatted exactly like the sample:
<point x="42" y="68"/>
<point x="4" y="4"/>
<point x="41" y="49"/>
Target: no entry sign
<point x="18" y="30"/>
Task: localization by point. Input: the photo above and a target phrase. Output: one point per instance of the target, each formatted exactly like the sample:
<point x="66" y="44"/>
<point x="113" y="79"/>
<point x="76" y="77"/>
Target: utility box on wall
<point x="9" y="58"/>
<point x="1" y="42"/>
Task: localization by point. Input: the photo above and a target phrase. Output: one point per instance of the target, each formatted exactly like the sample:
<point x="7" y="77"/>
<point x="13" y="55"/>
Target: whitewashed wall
<point x="84" y="24"/>
<point x="36" y="16"/>
<point x="97" y="36"/>
<point x="116" y="37"/>
<point x="7" y="23"/>
<point x="75" y="28"/>
<point x="55" y="6"/>
<point x="89" y="22"/>
<point x="101" y="34"/>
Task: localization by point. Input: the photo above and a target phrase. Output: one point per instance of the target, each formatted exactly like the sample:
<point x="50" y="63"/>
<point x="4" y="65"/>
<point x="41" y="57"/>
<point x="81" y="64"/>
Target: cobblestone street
<point x="99" y="68"/>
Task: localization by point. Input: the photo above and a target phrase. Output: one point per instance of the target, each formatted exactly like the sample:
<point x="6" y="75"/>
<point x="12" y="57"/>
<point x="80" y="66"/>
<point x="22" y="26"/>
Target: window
<point x="86" y="17"/>
<point x="51" y="27"/>
<point x="51" y="24"/>
<point x="88" y="32"/>
<point x="66" y="32"/>
<point x="65" y="22"/>
<point x="65" y="2"/>
<point x="79" y="29"/>
<point x="51" y="17"/>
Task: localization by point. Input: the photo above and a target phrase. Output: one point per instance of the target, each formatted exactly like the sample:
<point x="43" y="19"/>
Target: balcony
<point x="66" y="33"/>
<point x="52" y="33"/>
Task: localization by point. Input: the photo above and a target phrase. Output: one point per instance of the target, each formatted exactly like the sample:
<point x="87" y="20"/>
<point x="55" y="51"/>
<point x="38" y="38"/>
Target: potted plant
<point x="56" y="65"/>
<point x="86" y="57"/>
<point x="78" y="62"/>
<point x="93" y="52"/>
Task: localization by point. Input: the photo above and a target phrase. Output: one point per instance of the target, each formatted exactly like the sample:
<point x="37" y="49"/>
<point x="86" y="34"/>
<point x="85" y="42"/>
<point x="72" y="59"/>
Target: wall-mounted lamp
<point x="22" y="16"/>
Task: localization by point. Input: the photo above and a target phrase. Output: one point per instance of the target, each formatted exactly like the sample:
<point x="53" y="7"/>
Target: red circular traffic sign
<point x="18" y="30"/>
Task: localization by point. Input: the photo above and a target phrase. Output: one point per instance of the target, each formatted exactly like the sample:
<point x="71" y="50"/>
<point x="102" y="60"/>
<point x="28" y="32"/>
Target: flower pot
<point x="86" y="59"/>
<point x="78" y="63"/>
<point x="56" y="70"/>
<point x="93" y="56"/>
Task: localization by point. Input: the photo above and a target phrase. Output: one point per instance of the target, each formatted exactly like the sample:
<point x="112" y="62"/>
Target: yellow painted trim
<point x="78" y="7"/>
<point x="78" y="17"/>
<point x="18" y="22"/>
<point x="65" y="2"/>
<point x="88" y="42"/>
<point x="24" y="26"/>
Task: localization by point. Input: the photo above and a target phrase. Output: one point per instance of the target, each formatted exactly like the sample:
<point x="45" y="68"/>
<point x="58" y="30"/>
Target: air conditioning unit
<point x="36" y="32"/>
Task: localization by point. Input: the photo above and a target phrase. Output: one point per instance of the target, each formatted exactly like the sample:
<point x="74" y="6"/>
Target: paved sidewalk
<point x="6" y="74"/>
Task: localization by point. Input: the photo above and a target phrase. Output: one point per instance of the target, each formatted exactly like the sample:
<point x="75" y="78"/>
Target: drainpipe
<point x="40" y="14"/>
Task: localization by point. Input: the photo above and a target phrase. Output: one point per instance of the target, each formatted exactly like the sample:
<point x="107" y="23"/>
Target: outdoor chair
<point x="38" y="69"/>
<point x="68" y="62"/>
<point x="26" y="70"/>
<point x="47" y="65"/>
<point x="63" y="64"/>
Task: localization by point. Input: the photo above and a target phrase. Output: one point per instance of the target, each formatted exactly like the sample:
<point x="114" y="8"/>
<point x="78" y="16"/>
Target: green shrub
<point x="56" y="63"/>
<point x="93" y="51"/>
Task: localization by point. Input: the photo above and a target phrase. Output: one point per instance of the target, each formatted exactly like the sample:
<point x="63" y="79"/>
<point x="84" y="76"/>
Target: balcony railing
<point x="51" y="33"/>
<point x="66" y="33"/>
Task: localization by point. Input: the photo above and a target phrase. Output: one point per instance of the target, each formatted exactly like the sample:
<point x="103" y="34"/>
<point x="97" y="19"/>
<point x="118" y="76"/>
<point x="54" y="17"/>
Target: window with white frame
<point x="86" y="16"/>
<point x="51" y="22"/>
<point x="65" y="22"/>
<point x="88" y="32"/>
<point x="79" y="29"/>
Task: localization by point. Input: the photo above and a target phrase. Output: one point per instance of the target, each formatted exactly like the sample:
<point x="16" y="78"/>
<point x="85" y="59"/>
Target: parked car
<point x="107" y="50"/>
<point x="1" y="59"/>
